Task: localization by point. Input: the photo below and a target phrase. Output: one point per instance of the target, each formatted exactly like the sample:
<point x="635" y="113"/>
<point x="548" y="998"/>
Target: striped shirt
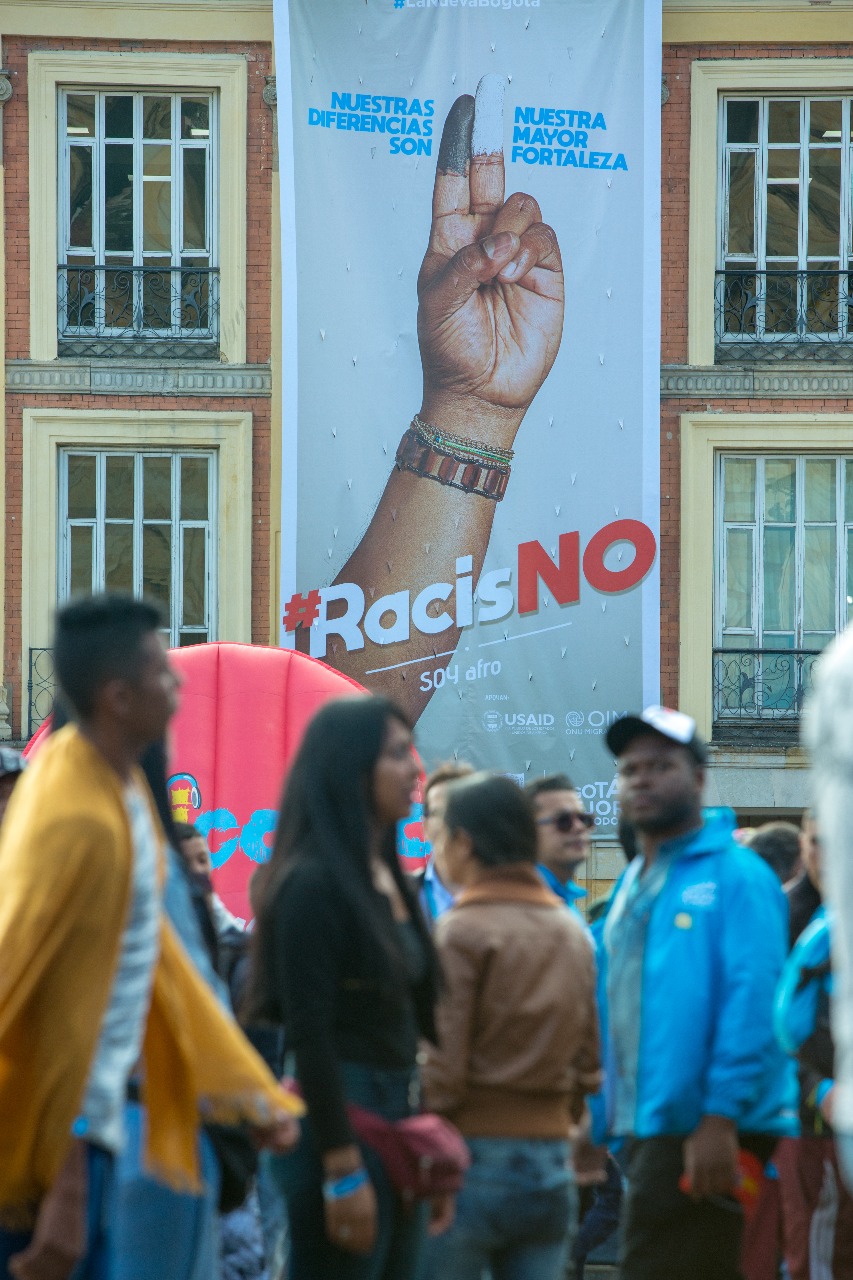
<point x="102" y="1114"/>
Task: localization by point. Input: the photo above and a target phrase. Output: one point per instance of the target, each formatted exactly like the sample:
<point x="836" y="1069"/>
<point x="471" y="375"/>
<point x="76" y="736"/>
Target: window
<point x="785" y="577"/>
<point x="142" y="523"/>
<point x="785" y="253"/>
<point x="137" y="241"/>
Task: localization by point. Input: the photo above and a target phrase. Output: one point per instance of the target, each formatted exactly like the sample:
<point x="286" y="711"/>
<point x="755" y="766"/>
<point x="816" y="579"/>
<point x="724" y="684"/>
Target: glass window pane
<point x="156" y="117"/>
<point x="738" y="612"/>
<point x="81" y="560"/>
<point x="779" y="580"/>
<point x="157" y="217"/>
<point x="741" y="121"/>
<point x="195" y="117"/>
<point x="192" y="637"/>
<point x="195" y="200"/>
<point x="825" y="121"/>
<point x="82" y="471"/>
<point x="157" y="563"/>
<point x="824" y="201"/>
<point x="850" y="575"/>
<point x="783" y="212"/>
<point x="80" y="197"/>
<point x="820" y="489"/>
<point x="118" y="116"/>
<point x="739" y="482"/>
<point x="779" y="490"/>
<point x="783" y="163"/>
<point x="784" y="125"/>
<point x="819" y="580"/>
<point x="118" y="295"/>
<point x="194" y="488"/>
<point x="822" y="310"/>
<point x="80" y="113"/>
<point x="741" y="238"/>
<point x="118" y="557"/>
<point x="118" y="197"/>
<point x="194" y="570"/>
<point x="156" y="160"/>
<point x="157" y="294"/>
<point x="157" y="488"/>
<point x="119" y="497"/>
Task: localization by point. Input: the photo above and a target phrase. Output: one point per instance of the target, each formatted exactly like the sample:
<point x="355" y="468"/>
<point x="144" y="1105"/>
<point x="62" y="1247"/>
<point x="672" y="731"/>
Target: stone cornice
<point x="779" y="382"/>
<point x="244" y="20"/>
<point x="121" y="378"/>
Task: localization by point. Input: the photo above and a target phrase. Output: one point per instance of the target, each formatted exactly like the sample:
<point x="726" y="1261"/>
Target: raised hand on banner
<point x="491" y="294"/>
<point x="490" y="319"/>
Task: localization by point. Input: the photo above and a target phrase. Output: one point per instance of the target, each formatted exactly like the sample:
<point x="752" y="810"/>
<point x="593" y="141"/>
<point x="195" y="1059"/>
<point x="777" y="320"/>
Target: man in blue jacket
<point x="694" y="945"/>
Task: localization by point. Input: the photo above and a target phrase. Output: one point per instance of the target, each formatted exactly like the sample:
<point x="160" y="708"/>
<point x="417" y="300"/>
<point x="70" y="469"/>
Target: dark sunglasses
<point x="566" y="820"/>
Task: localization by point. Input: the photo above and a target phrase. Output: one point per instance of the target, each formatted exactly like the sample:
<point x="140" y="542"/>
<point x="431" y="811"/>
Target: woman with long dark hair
<point x="343" y="960"/>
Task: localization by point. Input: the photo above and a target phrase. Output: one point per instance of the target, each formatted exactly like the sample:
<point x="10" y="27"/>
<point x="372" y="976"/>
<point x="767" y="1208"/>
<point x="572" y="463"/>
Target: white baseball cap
<point x="677" y="726"/>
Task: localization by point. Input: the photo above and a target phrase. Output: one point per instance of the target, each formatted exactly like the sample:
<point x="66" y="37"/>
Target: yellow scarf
<point x="65" y="882"/>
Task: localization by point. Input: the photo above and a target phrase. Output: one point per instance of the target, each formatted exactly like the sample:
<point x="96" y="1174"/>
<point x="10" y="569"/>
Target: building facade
<point x="139" y="328"/>
<point x="756" y="379"/>
<point x="141" y="336"/>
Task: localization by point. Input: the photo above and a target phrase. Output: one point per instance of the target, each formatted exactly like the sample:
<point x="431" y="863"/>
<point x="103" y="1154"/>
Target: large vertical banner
<point x="470" y="244"/>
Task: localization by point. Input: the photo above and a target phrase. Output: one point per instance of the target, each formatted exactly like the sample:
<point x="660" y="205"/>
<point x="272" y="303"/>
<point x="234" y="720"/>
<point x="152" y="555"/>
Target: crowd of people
<point x="459" y="1074"/>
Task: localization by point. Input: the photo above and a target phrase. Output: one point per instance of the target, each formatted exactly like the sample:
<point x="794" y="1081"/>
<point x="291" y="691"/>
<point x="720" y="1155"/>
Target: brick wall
<point x="258" y="322"/>
<point x="675" y="194"/>
<point x="259" y="183"/>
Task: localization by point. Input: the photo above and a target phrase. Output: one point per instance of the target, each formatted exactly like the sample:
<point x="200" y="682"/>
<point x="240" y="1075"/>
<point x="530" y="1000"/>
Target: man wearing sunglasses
<point x="562" y="834"/>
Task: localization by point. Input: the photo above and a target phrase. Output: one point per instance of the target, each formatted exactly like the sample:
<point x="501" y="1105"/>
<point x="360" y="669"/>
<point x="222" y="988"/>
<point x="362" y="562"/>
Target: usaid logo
<point x="519" y="721"/>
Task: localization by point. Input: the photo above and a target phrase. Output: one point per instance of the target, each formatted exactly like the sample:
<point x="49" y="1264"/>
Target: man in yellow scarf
<point x="94" y="984"/>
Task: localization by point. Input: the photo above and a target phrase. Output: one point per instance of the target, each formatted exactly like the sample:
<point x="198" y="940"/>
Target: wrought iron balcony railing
<point x="123" y="310"/>
<point x="783" y="315"/>
<point x="757" y="686"/>
<point x="41" y="688"/>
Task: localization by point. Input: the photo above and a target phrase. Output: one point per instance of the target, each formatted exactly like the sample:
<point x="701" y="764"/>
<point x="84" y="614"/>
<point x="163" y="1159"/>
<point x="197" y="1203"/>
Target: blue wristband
<point x="822" y="1090"/>
<point x="340" y="1188"/>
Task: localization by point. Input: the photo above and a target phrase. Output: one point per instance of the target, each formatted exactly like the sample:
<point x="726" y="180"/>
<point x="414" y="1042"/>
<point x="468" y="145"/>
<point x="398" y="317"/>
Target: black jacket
<point x="336" y="995"/>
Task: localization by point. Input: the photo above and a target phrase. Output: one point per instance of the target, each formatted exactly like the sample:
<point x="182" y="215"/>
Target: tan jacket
<point x="517" y="1024"/>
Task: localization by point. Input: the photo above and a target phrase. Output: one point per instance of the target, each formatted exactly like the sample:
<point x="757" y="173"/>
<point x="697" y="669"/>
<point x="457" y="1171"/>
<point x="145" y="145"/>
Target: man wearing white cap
<point x="694" y="943"/>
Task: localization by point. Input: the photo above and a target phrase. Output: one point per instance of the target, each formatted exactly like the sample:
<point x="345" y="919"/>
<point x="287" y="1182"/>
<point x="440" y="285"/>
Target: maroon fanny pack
<point x="423" y="1155"/>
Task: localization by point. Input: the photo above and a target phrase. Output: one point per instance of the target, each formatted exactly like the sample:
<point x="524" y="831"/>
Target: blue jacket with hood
<point x="715" y="947"/>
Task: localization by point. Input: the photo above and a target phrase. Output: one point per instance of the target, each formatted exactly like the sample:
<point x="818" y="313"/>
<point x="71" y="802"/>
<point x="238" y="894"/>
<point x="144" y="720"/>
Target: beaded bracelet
<point x="469" y="465"/>
<point x="454" y="446"/>
<point x="340" y="1188"/>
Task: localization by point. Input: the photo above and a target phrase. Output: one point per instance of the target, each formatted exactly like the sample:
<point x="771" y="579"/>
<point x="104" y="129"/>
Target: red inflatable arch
<point x="243" y="711"/>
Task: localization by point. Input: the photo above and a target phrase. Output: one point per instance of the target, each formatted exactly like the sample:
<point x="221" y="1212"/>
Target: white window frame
<point x="176" y="626"/>
<point x="758" y="261"/>
<point x="104" y="257"/>
<point x="842" y="528"/>
<point x="46" y="432"/>
<point x="224" y="74"/>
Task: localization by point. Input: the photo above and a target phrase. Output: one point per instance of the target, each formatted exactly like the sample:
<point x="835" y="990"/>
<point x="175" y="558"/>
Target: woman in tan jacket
<point x="519" y="1040"/>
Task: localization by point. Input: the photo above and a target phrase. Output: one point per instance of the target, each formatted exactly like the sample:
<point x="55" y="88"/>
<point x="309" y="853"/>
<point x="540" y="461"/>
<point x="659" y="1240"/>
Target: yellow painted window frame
<point x="226" y="74"/>
<point x="703" y="437"/>
<point x="708" y="81"/>
<point x="47" y="431"/>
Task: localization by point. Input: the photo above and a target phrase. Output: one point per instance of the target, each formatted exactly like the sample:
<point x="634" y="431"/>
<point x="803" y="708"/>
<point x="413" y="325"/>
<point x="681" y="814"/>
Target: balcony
<point x="759" y="693"/>
<point x="165" y="312"/>
<point x="776" y="315"/>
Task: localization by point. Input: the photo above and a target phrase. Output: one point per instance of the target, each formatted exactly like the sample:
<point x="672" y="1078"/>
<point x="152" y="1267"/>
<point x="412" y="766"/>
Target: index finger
<point x="451" y="192"/>
<point x="487" y="146"/>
